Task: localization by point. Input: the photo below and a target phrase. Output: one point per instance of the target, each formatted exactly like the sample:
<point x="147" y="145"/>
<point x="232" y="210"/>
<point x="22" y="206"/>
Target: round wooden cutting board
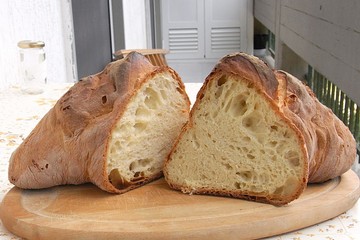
<point x="154" y="211"/>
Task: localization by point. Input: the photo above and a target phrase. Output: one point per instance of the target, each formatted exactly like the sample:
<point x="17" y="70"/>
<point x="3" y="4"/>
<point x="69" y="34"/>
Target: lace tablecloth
<point x="20" y="113"/>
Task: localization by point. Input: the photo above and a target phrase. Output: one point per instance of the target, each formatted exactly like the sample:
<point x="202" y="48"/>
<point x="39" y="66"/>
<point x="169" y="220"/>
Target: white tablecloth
<point x="20" y="113"/>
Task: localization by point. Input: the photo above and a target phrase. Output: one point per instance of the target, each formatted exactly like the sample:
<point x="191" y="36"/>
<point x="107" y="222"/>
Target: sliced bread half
<point x="114" y="129"/>
<point x="244" y="138"/>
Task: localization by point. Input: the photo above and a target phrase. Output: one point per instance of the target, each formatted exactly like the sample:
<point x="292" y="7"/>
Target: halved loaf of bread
<point x="257" y="134"/>
<point x="114" y="129"/>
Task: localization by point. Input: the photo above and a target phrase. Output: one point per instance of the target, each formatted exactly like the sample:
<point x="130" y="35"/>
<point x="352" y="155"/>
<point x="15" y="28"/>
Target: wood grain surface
<point x="154" y="211"/>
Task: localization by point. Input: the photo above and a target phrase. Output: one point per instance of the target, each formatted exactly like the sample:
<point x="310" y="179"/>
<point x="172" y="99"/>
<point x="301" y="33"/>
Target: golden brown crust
<point x="69" y="145"/>
<point x="331" y="146"/>
<point x="237" y="194"/>
<point x="251" y="68"/>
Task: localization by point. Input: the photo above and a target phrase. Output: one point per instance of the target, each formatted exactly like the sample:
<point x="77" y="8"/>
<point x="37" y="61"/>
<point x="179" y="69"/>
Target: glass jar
<point x="32" y="66"/>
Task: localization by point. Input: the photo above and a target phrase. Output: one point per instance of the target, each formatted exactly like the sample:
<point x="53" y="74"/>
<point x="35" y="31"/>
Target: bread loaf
<point x="257" y="134"/>
<point x="113" y="129"/>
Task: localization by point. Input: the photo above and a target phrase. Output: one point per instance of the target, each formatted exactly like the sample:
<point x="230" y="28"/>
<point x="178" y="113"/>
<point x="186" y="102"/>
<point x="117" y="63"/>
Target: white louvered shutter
<point x="183" y="28"/>
<point x="225" y="27"/>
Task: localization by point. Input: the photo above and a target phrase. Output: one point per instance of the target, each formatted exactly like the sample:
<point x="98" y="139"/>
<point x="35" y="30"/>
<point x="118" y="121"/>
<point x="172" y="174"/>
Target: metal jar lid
<point x="30" y="44"/>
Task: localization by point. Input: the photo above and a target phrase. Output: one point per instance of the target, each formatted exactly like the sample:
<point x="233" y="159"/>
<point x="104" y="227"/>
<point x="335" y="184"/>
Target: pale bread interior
<point x="237" y="144"/>
<point x="143" y="137"/>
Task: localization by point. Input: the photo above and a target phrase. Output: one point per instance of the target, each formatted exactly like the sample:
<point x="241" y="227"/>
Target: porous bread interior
<point x="143" y="137"/>
<point x="237" y="144"/>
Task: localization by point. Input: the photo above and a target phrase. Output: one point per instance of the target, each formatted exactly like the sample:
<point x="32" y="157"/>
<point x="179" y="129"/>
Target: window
<point x="331" y="96"/>
<point x="271" y="44"/>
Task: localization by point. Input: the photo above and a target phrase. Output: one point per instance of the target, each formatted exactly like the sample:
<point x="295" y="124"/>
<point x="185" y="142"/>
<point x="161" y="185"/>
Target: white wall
<point x="325" y="34"/>
<point x="135" y="25"/>
<point x="264" y="11"/>
<point x="43" y="20"/>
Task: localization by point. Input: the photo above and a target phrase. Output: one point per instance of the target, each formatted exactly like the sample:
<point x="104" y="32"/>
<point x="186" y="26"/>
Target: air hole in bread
<point x="218" y="92"/>
<point x="138" y="176"/>
<point x="236" y="106"/>
<point x="140" y="164"/>
<point x="152" y="100"/>
<point x="115" y="147"/>
<point x="273" y="143"/>
<point x="250" y="156"/>
<point x="253" y="122"/>
<point x="245" y="176"/>
<point x="250" y="84"/>
<point x="140" y="126"/>
<point x="221" y="81"/>
<point x="141" y="111"/>
<point x="293" y="158"/>
<point x="248" y="122"/>
<point x="117" y="180"/>
<point x="274" y="128"/>
<point x="244" y="150"/>
<point x="66" y="108"/>
<point x="286" y="134"/>
<point x="104" y="99"/>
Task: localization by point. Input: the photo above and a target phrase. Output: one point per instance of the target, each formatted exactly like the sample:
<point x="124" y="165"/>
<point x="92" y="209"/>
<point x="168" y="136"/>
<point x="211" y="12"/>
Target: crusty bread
<point x="330" y="145"/>
<point x="114" y="129"/>
<point x="257" y="134"/>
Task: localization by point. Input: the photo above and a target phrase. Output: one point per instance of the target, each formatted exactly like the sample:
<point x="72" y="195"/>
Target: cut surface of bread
<point x="237" y="144"/>
<point x="143" y="137"/>
<point x="238" y="141"/>
<point x="114" y="129"/>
